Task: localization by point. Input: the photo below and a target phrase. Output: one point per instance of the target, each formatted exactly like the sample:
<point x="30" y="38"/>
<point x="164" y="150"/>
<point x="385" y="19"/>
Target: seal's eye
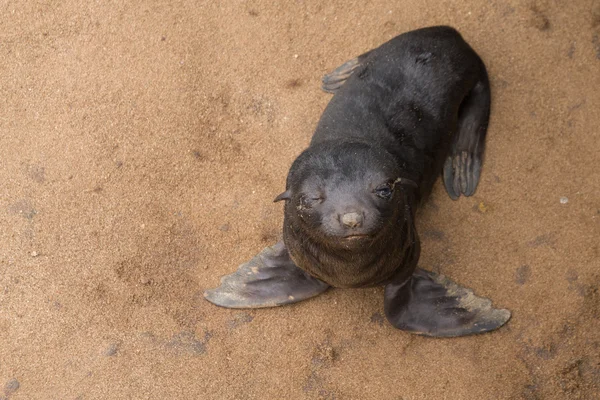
<point x="385" y="191"/>
<point x="309" y="202"/>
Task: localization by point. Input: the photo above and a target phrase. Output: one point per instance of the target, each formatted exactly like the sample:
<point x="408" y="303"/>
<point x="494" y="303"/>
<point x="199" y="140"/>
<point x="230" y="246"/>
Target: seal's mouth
<point x="356" y="237"/>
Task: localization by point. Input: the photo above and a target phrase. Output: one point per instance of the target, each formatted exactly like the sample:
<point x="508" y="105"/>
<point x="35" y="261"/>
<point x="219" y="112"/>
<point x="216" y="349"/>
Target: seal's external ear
<point x="283" y="196"/>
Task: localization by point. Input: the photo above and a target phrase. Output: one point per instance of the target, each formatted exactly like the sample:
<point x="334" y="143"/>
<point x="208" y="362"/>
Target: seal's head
<point x="346" y="195"/>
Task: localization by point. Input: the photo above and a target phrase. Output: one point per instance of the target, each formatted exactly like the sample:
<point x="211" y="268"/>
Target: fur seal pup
<point x="402" y="114"/>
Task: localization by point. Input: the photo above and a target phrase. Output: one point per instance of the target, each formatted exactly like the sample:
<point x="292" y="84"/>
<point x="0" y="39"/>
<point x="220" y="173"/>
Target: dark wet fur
<point x="403" y="101"/>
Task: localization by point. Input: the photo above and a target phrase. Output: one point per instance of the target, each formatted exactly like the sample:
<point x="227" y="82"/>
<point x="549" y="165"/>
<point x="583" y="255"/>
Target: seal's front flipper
<point x="463" y="165"/>
<point x="269" y="279"/>
<point x="336" y="78"/>
<point x="432" y="305"/>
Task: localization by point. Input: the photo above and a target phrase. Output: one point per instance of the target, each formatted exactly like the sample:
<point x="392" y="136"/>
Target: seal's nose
<point x="352" y="220"/>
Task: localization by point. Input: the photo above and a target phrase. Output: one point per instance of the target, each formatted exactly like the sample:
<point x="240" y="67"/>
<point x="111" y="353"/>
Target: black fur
<point x="395" y="114"/>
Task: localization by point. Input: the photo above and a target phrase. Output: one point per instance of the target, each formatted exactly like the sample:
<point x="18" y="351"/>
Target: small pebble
<point x="34" y="253"/>
<point x="11" y="386"/>
<point x="564" y="200"/>
<point x="112" y="350"/>
<point x="144" y="280"/>
<point x="482" y="207"/>
<point x="224" y="228"/>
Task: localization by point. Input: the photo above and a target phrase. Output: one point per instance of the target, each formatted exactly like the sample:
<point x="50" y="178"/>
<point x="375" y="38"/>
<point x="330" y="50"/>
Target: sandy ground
<point x="141" y="146"/>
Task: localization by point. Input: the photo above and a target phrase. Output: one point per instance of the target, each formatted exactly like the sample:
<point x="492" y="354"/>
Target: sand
<point x="141" y="146"/>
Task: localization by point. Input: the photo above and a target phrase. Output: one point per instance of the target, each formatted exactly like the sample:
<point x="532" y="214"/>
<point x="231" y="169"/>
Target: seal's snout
<point x="352" y="220"/>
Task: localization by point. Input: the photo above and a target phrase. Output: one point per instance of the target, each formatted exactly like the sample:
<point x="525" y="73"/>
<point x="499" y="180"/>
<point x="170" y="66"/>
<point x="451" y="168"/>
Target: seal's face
<point x="344" y="195"/>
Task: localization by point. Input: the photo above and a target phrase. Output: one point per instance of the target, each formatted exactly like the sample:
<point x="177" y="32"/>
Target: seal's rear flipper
<point x="432" y="305"/>
<point x="336" y="78"/>
<point x="269" y="279"/>
<point x="463" y="165"/>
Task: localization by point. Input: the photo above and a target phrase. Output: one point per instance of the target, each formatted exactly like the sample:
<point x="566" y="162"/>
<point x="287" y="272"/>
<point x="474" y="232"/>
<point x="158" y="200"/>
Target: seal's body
<point x="402" y="114"/>
<point x="396" y="116"/>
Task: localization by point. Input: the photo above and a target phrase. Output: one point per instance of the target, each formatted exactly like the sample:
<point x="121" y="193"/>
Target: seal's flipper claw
<point x="432" y="305"/>
<point x="269" y="279"/>
<point x="336" y="78"/>
<point x="463" y="165"/>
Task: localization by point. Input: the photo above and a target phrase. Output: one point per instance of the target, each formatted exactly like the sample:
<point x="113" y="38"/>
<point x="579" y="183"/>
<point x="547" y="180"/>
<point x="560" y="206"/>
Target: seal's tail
<point x="463" y="165"/>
